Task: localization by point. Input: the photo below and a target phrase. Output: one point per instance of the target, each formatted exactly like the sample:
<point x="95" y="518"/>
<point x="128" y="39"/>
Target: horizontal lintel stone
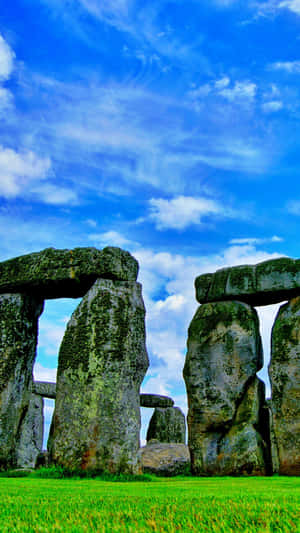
<point x="48" y="390"/>
<point x="54" y="273"/>
<point x="266" y="283"/>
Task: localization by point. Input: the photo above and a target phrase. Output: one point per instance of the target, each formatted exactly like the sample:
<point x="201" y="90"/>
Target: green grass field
<point x="166" y="505"/>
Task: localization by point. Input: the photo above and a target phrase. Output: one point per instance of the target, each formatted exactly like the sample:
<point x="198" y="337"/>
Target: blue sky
<point x="169" y="128"/>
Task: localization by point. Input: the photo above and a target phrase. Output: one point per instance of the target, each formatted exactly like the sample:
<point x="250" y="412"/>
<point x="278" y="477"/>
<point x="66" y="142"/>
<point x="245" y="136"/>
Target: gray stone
<point x="155" y="400"/>
<point x="102" y="362"/>
<point x="224" y="354"/>
<point x="18" y="339"/>
<point x="167" y="425"/>
<point x="45" y="389"/>
<point x="55" y="273"/>
<point x="285" y="381"/>
<point x="31" y="434"/>
<point x="165" y="459"/>
<point x="266" y="283"/>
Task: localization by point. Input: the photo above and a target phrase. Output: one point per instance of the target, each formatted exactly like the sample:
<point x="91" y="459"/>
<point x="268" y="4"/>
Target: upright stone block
<point x="224" y="396"/>
<point x="102" y="362"/>
<point x="18" y="339"/>
<point x="31" y="433"/>
<point x="285" y="381"/>
<point x="167" y="425"/>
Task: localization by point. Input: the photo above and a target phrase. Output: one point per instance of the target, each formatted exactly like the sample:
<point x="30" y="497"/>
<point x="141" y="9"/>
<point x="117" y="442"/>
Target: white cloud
<point x="183" y="211"/>
<point x="293" y="67"/>
<point x="6" y="60"/>
<point x="18" y="170"/>
<point x="6" y="99"/>
<point x="54" y="195"/>
<point x="292" y="5"/>
<point x="255" y="241"/>
<point x="272" y="106"/>
<point x="222" y="83"/>
<point x="242" y="90"/>
<point x="40" y="373"/>
<point x="110" y="238"/>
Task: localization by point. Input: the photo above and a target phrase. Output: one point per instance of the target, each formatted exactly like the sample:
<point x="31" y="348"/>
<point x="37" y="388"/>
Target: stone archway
<point x="112" y="311"/>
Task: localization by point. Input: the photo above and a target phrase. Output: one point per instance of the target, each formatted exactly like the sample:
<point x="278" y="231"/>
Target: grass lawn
<point x="167" y="505"/>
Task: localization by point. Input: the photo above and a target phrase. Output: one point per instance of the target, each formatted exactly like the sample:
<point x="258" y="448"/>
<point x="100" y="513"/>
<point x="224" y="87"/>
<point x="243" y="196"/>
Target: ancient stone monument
<point x="232" y="428"/>
<point x="102" y="359"/>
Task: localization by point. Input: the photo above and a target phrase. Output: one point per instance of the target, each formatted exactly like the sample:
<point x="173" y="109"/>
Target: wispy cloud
<point x="292" y="67"/>
<point x="7" y="56"/>
<point x="256" y="241"/>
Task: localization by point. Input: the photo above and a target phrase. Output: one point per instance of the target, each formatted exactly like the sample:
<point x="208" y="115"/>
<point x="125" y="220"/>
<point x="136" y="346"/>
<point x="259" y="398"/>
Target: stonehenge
<point x="232" y="428"/>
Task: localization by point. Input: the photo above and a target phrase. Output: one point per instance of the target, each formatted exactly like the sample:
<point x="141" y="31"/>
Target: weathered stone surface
<point x="285" y="381"/>
<point x="55" y="273"/>
<point x="155" y="400"/>
<point x="31" y="434"/>
<point x="45" y="389"/>
<point x="167" y="425"/>
<point x="224" y="398"/>
<point x="18" y="338"/>
<point x="262" y="284"/>
<point x="165" y="459"/>
<point x="102" y="362"/>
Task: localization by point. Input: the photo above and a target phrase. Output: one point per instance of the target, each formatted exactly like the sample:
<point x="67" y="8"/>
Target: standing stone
<point x="224" y="397"/>
<point x="167" y="425"/>
<point x="102" y="362"/>
<point x="31" y="433"/>
<point x="285" y="382"/>
<point x="18" y="339"/>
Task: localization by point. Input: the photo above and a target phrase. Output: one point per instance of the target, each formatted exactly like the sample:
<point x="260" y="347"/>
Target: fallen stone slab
<point x="165" y="459"/>
<point x="54" y="273"/>
<point x="155" y="400"/>
<point x="45" y="389"/>
<point x="266" y="283"/>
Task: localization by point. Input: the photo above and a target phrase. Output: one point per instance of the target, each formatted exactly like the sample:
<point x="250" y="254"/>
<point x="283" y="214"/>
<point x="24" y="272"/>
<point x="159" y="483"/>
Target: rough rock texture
<point x="165" y="459"/>
<point x="224" y="396"/>
<point x="45" y="389"/>
<point x="55" y="273"/>
<point x="31" y="434"/>
<point x="18" y="339"/>
<point x="167" y="425"/>
<point x="102" y="362"/>
<point x="262" y="284"/>
<point x="155" y="400"/>
<point x="285" y="380"/>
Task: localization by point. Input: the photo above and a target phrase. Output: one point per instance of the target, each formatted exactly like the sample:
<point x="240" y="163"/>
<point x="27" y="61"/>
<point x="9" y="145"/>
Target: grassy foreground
<point x="166" y="505"/>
